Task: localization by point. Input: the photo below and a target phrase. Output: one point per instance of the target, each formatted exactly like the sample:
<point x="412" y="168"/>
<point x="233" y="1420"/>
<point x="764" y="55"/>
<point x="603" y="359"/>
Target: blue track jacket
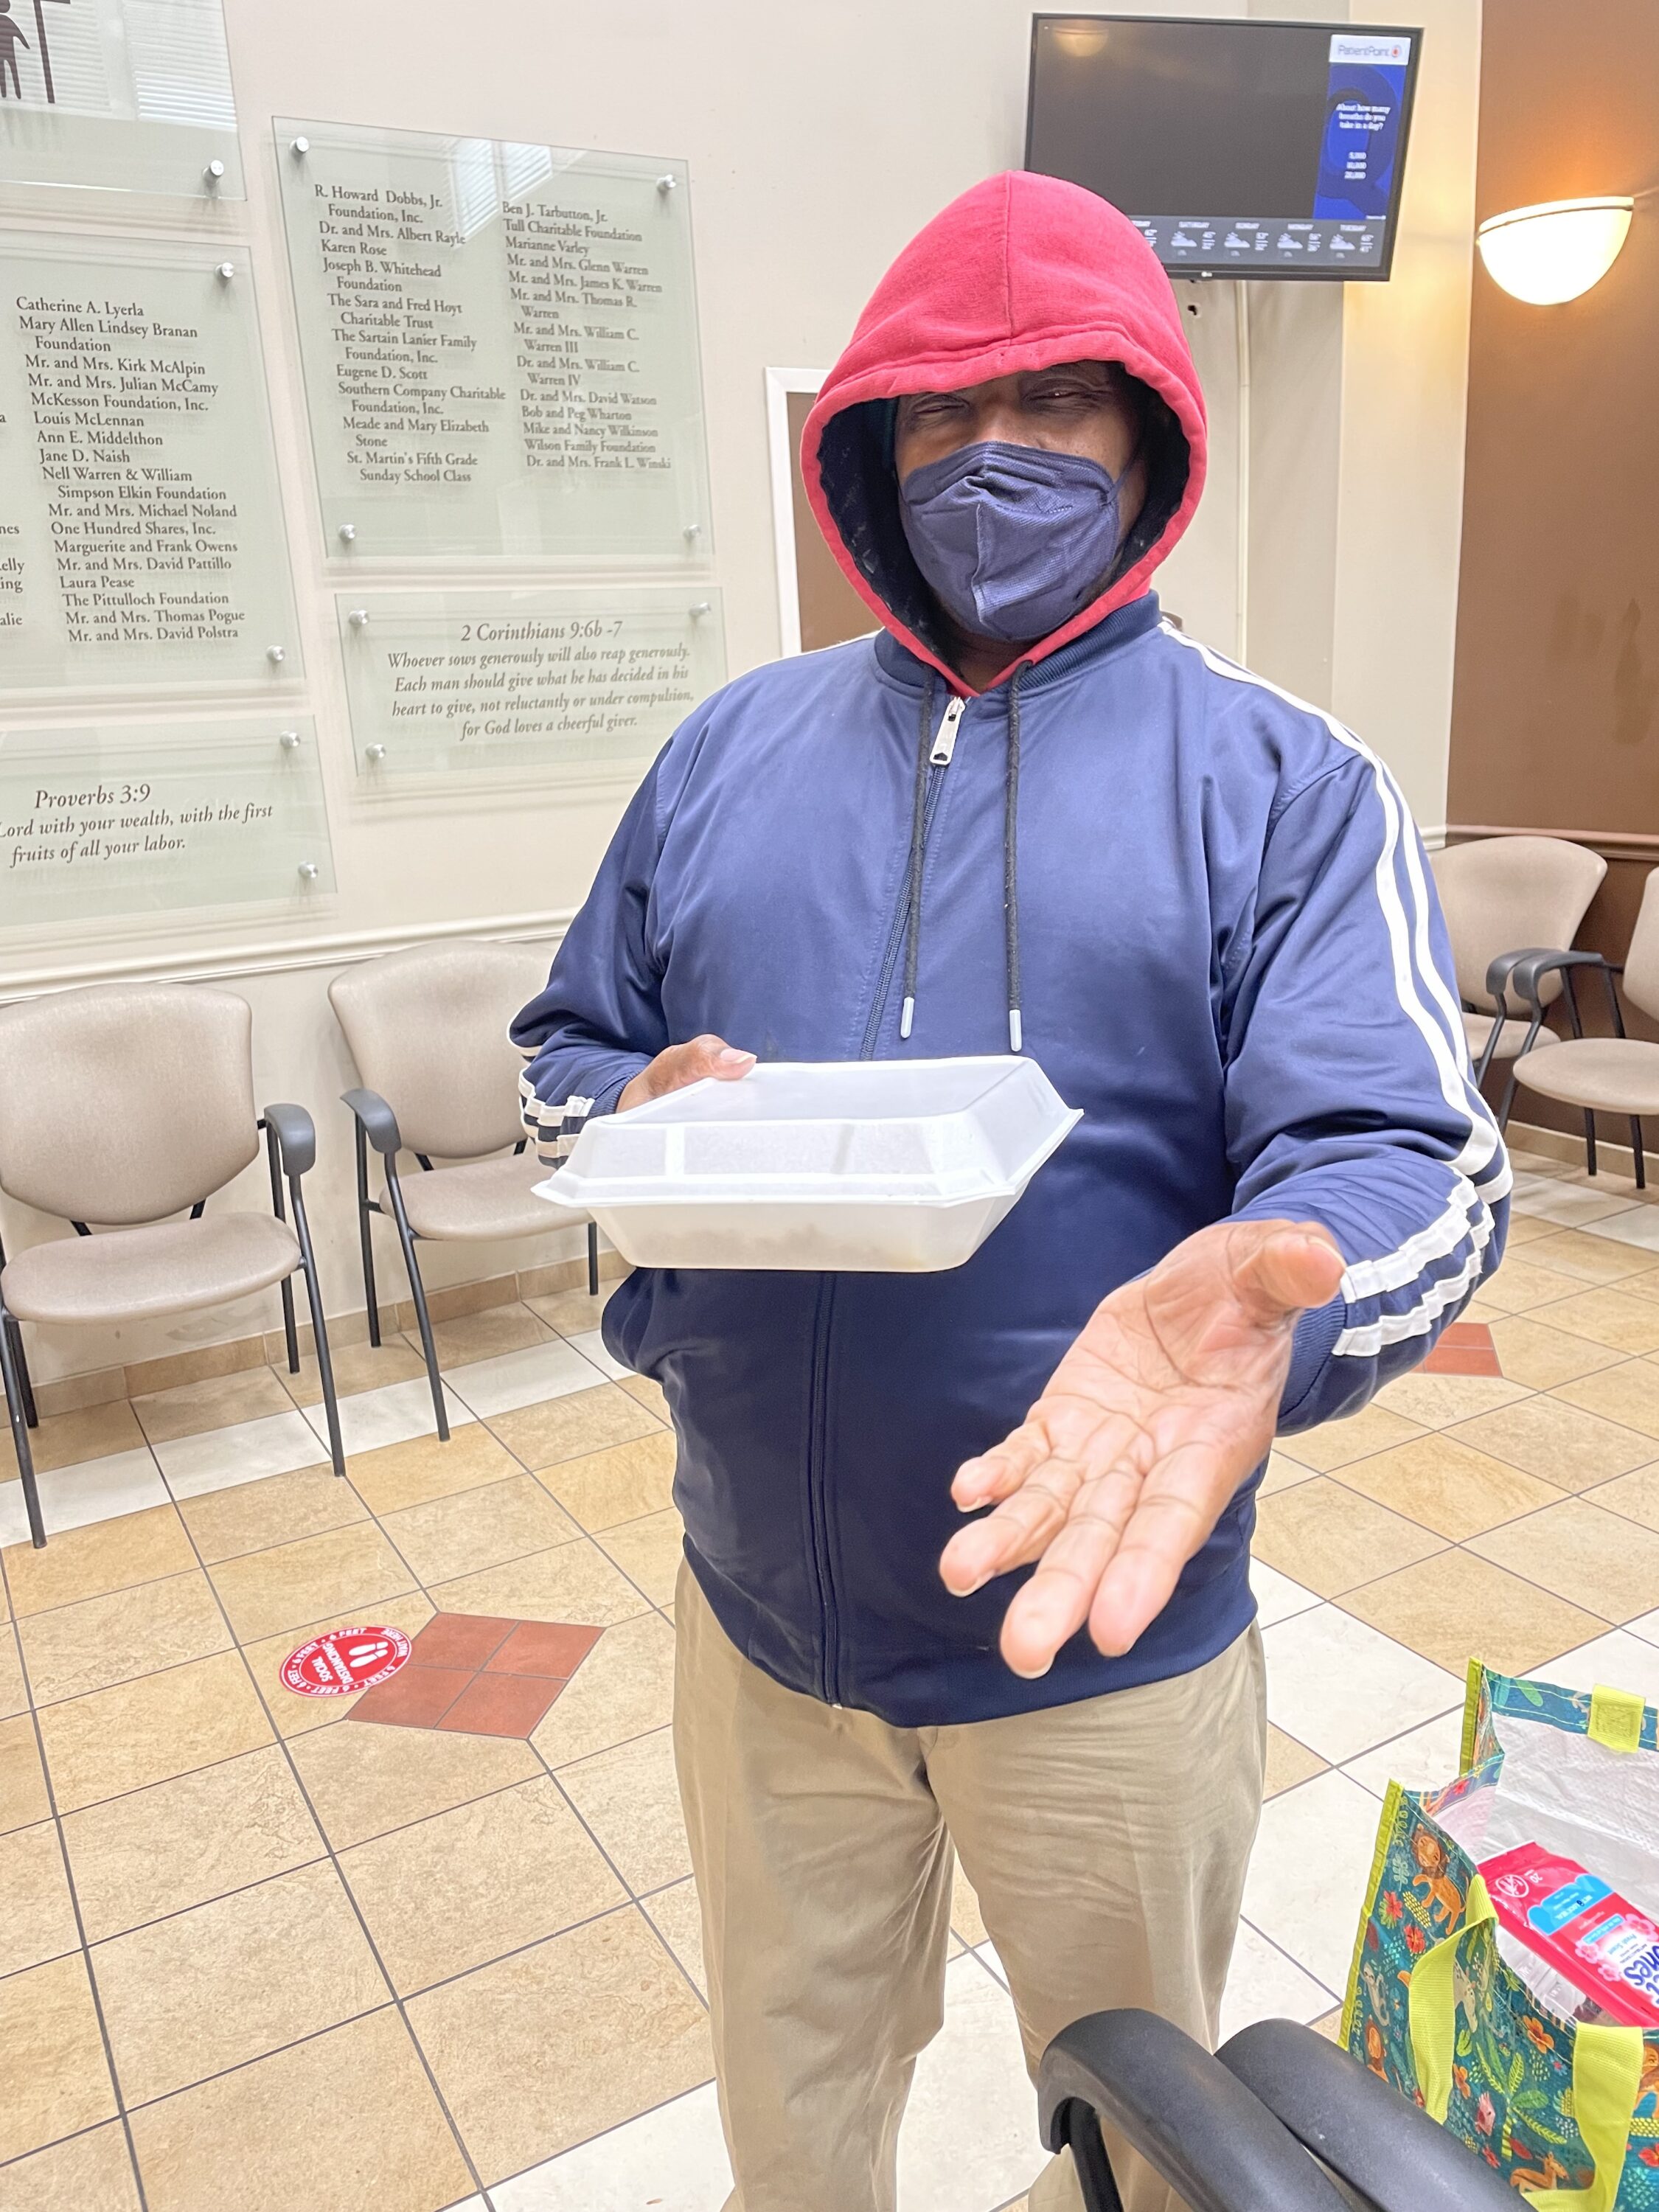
<point x="1233" y="961"/>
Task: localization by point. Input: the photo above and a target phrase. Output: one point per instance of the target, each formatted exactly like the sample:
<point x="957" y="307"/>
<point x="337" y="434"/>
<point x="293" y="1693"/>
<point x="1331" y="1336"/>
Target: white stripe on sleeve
<point x="1481" y="1154"/>
<point x="1466" y="1216"/>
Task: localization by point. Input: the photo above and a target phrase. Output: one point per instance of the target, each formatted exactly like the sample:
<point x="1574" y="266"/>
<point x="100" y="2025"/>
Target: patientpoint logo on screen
<point x="1391" y="52"/>
<point x="1365" y="92"/>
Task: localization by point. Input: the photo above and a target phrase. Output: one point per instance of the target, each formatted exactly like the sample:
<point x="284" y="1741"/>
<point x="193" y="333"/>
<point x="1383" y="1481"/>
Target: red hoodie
<point x="1021" y="272"/>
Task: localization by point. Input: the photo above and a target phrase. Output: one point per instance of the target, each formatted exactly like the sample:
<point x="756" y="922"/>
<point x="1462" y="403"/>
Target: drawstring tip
<point x="907" y="1017"/>
<point x="1015" y="1033"/>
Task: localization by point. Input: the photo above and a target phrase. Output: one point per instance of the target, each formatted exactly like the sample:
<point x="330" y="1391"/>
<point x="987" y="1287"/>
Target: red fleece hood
<point x="1021" y="272"/>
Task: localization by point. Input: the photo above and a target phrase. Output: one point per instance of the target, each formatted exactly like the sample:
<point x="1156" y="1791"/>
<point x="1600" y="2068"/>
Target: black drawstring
<point x="918" y="835"/>
<point x="1010" y="864"/>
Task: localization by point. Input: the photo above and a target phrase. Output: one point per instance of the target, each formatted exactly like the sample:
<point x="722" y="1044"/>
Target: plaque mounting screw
<point x="702" y="608"/>
<point x="666" y="185"/>
<point x="692" y="530"/>
<point x="225" y="271"/>
<point x="374" y="752"/>
<point x="214" y="171"/>
<point x="301" y="147"/>
<point x="275" y="655"/>
<point x="289" y="740"/>
<point x="308" y="871"/>
<point x="348" y="532"/>
<point x="358" y="617"/>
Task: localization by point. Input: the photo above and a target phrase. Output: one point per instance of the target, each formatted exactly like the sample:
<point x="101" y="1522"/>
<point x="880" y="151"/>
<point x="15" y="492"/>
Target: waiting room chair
<point x="123" y="1104"/>
<point x="1502" y="896"/>
<point x="1262" y="2126"/>
<point x="427" y="1031"/>
<point x="1615" y="1074"/>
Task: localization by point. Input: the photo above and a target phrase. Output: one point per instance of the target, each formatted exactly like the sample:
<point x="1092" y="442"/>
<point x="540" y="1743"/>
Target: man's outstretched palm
<point x="1155" y="1416"/>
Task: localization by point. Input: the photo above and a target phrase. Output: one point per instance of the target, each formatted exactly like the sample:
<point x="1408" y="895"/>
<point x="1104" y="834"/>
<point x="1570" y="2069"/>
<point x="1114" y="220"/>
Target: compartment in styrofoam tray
<point x="879" y="1165"/>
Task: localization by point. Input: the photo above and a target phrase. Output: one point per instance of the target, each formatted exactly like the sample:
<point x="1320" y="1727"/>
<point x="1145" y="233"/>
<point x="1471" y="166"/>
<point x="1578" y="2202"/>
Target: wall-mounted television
<point x="1239" y="147"/>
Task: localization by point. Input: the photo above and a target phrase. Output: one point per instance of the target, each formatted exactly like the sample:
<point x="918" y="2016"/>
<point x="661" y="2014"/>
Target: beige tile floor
<point x="250" y="1955"/>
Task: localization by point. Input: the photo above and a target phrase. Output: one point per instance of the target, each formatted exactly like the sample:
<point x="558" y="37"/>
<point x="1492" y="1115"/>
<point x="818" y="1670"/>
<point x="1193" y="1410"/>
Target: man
<point x="1026" y="815"/>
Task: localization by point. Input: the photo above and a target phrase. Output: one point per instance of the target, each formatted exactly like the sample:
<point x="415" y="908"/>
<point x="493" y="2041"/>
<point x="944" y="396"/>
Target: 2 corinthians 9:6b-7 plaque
<point x="500" y="347"/>
<point x="140" y="530"/>
<point x="582" y="683"/>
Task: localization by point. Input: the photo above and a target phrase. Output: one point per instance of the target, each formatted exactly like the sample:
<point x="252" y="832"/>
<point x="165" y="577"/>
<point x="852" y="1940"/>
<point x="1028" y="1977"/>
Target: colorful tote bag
<point x="1565" y="2108"/>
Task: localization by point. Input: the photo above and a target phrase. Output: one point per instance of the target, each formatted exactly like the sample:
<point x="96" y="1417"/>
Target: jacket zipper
<point x="945" y="743"/>
<point x="938" y="759"/>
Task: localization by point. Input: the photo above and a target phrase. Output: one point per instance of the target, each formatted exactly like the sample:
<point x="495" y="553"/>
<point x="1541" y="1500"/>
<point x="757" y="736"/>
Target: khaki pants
<point x="1107" y="1840"/>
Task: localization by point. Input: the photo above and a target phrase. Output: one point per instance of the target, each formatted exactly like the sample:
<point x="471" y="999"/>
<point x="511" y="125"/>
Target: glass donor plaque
<point x="159" y="818"/>
<point x="499" y="346"/>
<point x="140" y="533"/>
<point x="127" y="95"/>
<point x="587" y="683"/>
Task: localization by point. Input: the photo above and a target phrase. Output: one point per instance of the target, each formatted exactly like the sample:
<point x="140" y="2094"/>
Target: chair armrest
<point x="1377" y="2139"/>
<point x="1526" y="968"/>
<point x="376" y="1120"/>
<point x="1194" y="2121"/>
<point x="296" y="1137"/>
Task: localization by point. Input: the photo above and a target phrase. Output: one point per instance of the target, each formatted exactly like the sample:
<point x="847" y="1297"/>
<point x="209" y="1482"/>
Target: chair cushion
<point x="126" y="1273"/>
<point x="485" y="1199"/>
<point x="1614" y="1075"/>
<point x="1477" y="1028"/>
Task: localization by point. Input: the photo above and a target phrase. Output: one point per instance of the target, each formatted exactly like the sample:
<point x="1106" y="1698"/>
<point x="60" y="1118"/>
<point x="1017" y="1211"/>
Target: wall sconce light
<point x="1554" y="252"/>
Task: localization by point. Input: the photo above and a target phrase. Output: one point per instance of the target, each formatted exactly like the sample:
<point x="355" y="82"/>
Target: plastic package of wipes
<point x="1580" y="1925"/>
<point x="879" y="1165"/>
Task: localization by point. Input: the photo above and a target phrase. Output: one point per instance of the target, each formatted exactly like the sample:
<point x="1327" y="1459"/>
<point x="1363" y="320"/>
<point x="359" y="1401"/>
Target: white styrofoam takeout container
<point x="880" y="1166"/>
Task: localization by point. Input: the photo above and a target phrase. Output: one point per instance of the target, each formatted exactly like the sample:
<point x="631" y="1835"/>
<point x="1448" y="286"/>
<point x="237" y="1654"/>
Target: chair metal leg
<point x="20" y="1430"/>
<point x="1488" y="1052"/>
<point x="17" y="1352"/>
<point x="1509" y="1101"/>
<point x="417" y="1292"/>
<point x="289" y="1332"/>
<point x="1590" y="1142"/>
<point x="1636" y="1146"/>
<point x="364" y="1210"/>
<point x="320" y="1331"/>
<point x="593" y="1258"/>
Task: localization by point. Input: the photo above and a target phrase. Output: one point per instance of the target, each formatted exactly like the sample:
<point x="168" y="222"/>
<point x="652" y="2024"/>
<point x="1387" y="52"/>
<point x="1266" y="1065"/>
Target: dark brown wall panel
<point x="1556" y="704"/>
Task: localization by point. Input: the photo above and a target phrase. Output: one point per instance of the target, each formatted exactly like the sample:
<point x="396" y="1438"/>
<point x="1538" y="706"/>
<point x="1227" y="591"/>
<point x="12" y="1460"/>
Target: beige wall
<point x="1404" y="381"/>
<point x="818" y="141"/>
<point x="1357" y="401"/>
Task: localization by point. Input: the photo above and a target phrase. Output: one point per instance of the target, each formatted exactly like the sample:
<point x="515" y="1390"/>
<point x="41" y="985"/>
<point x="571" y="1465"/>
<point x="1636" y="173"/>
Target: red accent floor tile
<point x="501" y="1704"/>
<point x="460" y="1639"/>
<point x="1466" y="1333"/>
<point x="545" y="1647"/>
<point x="415" y="1697"/>
<point x="1461" y="1359"/>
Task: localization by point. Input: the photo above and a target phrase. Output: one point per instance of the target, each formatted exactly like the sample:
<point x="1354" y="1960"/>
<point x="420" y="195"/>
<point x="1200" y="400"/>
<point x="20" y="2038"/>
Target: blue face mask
<point x="1013" y="540"/>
